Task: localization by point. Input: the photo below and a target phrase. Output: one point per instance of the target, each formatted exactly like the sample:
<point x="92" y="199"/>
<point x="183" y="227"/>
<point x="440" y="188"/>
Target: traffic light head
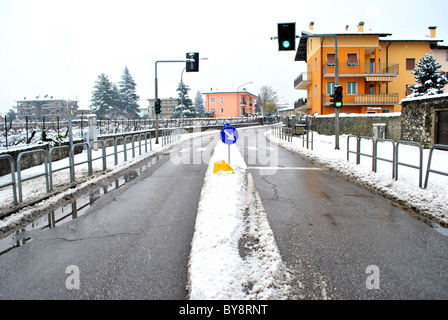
<point x="192" y="66"/>
<point x="286" y="33"/>
<point x="336" y="102"/>
<point x="338" y="96"/>
<point x="157" y="106"/>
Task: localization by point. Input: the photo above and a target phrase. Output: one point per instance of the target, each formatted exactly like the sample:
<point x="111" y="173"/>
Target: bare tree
<point x="267" y="99"/>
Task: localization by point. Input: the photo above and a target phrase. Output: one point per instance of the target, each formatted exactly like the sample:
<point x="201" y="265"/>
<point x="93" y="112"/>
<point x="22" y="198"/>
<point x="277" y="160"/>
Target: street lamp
<point x="182" y="97"/>
<point x="156" y="90"/>
<point x="238" y="97"/>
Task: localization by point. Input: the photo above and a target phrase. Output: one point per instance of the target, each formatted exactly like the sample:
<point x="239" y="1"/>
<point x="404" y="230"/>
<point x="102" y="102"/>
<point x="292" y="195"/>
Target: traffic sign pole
<point x="229" y="135"/>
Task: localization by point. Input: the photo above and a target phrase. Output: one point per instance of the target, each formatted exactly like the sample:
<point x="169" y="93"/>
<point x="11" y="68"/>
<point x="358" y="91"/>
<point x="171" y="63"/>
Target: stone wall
<point x="418" y="121"/>
<point x="358" y="124"/>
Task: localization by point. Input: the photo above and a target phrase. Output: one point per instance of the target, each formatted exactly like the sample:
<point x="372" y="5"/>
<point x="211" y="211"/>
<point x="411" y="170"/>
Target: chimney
<point x="361" y="27"/>
<point x="346" y="28"/>
<point x="432" y="32"/>
<point x="311" y="26"/>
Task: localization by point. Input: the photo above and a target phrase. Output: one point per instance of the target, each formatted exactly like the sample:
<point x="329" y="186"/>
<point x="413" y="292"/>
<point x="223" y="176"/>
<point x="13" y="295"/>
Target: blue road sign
<point x="229" y="134"/>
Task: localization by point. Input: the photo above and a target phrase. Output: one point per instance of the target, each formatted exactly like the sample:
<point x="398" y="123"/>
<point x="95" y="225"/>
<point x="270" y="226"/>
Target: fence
<point x="280" y="132"/>
<point x="168" y="136"/>
<point x="395" y="161"/>
<point x="25" y="128"/>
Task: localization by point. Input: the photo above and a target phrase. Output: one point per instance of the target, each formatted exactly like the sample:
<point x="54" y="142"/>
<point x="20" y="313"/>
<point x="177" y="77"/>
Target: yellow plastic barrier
<point x="221" y="166"/>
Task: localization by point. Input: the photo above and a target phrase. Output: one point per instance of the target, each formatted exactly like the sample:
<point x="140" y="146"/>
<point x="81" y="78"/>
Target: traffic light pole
<point x="336" y="78"/>
<point x="156" y="91"/>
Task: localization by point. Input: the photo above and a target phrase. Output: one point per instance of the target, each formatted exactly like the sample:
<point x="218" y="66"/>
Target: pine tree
<point x="102" y="97"/>
<point x="188" y="108"/>
<point x="129" y="98"/>
<point x="117" y="110"/>
<point x="427" y="75"/>
<point x="199" y="105"/>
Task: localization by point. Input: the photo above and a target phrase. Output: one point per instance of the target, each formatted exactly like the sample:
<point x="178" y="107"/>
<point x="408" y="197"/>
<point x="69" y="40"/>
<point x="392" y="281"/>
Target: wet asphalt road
<point x="339" y="240"/>
<point x="342" y="241"/>
<point x="133" y="243"/>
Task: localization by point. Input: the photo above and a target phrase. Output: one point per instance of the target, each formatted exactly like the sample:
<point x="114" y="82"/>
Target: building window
<point x="447" y="56"/>
<point x="352" y="88"/>
<point x="315" y="91"/>
<point x="315" y="64"/>
<point x="222" y="99"/>
<point x="352" y="59"/>
<point x="222" y="110"/>
<point x="330" y="88"/>
<point x="410" y="64"/>
<point x="385" y="110"/>
<point x="212" y="100"/>
<point x="331" y="60"/>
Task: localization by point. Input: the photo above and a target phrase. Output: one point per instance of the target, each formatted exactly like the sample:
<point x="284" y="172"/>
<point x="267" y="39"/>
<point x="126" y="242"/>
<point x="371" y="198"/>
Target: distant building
<point x="227" y="104"/>
<point x="167" y="107"/>
<point x="286" y="111"/>
<point x="47" y="106"/>
<point x="440" y="53"/>
<point x="375" y="68"/>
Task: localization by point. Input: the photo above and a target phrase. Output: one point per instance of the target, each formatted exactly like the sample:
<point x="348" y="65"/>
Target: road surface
<point x="340" y="240"/>
<point x="133" y="243"/>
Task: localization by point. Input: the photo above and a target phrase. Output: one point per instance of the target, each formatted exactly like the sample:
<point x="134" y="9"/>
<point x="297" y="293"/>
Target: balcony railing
<point x="366" y="99"/>
<point x="363" y="69"/>
<point x="303" y="78"/>
<point x="376" y="99"/>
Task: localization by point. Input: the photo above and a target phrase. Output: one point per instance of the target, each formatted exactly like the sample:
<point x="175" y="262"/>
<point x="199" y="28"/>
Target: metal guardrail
<point x="376" y="158"/>
<point x="395" y="156"/>
<point x="169" y="136"/>
<point x="19" y="171"/>
<point x="419" y="167"/>
<point x="13" y="178"/>
<point x="50" y="165"/>
<point x="428" y="170"/>
<point x="359" y="153"/>
<point x="306" y="133"/>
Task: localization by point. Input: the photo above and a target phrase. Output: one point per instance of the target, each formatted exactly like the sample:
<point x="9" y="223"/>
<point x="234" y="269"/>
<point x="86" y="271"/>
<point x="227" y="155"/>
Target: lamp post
<point x="238" y="98"/>
<point x="156" y="90"/>
<point x="182" y="96"/>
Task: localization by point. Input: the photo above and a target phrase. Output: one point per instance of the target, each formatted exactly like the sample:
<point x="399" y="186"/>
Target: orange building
<point x="374" y="69"/>
<point x="230" y="104"/>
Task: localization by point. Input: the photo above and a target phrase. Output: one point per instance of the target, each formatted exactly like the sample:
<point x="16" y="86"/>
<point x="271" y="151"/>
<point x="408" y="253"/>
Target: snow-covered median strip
<point x="233" y="252"/>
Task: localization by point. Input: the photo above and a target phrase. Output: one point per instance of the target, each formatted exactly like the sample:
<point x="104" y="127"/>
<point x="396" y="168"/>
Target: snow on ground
<point x="233" y="253"/>
<point x="431" y="202"/>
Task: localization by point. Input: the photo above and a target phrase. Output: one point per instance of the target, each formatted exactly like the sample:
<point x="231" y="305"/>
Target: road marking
<point x="287" y="168"/>
<point x="253" y="148"/>
<point x="188" y="150"/>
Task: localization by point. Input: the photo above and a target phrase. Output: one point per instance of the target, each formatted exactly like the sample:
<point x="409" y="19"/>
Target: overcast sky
<point x="59" y="47"/>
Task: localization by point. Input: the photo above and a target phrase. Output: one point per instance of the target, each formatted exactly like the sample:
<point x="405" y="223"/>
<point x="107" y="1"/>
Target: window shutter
<point x="410" y="64"/>
<point x="352" y="59"/>
<point x="330" y="59"/>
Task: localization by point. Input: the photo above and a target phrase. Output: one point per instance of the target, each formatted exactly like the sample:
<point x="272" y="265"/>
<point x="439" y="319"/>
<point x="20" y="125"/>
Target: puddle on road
<point x="70" y="211"/>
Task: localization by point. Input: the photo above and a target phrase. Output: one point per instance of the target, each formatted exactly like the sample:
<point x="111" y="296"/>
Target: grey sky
<point x="59" y="47"/>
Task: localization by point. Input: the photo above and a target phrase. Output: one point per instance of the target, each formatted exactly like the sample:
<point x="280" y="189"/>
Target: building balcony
<point x="366" y="99"/>
<point x="374" y="71"/>
<point x="302" y="81"/>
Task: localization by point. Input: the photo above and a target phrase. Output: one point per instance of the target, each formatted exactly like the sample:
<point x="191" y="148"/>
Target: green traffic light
<point x="286" y="44"/>
<point x="338" y="104"/>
